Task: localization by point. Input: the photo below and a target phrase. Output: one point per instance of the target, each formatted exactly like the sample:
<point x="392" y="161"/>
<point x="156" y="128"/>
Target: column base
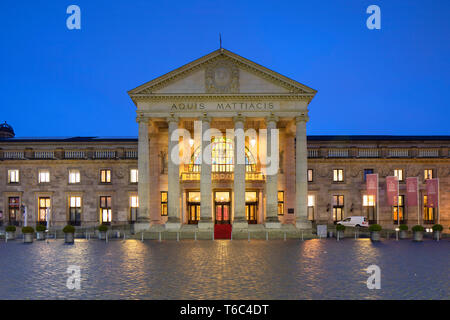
<point x="141" y="226"/>
<point x="173" y="226"/>
<point x="303" y="224"/>
<point x="240" y="224"/>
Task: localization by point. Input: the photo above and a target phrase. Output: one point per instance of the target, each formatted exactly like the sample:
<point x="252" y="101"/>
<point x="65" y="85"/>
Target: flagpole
<point x="439" y="202"/>
<point x="418" y="206"/>
<point x="398" y="202"/>
<point x="378" y="216"/>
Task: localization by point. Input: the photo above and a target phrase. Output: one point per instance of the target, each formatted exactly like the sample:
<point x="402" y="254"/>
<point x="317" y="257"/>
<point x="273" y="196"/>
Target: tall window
<point x="44" y="209"/>
<point x="428" y="212"/>
<point x="398" y="212"/>
<point x="134" y="207"/>
<point x="338" y="208"/>
<point x="105" y="210"/>
<point x="366" y="172"/>
<point x="310" y="175"/>
<point x="134" y="176"/>
<point x="44" y="176"/>
<point x="13" y="176"/>
<point x="399" y="173"/>
<point x="13" y="210"/>
<point x="428" y="174"/>
<point x="75" y="210"/>
<point x="105" y="176"/>
<point x="74" y="176"/>
<point x="338" y="175"/>
<point x="280" y="203"/>
<point x="369" y="208"/>
<point x="311" y="203"/>
<point x="164" y="203"/>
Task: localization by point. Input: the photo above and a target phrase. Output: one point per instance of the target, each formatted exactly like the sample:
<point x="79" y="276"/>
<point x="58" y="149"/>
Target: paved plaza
<point x="292" y="269"/>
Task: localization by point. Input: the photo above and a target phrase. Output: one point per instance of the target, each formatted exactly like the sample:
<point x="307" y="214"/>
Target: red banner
<point x="412" y="191"/>
<point x="372" y="184"/>
<point x="392" y="190"/>
<point x="433" y="193"/>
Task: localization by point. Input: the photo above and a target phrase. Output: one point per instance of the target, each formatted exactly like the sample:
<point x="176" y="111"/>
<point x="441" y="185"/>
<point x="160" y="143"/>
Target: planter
<point x="10" y="235"/>
<point x="437" y="235"/>
<point x="101" y="235"/>
<point x="28" y="237"/>
<point x="418" y="236"/>
<point x="69" y="237"/>
<point x="40" y="236"/>
<point x="403" y="234"/>
<point x="375" y="236"/>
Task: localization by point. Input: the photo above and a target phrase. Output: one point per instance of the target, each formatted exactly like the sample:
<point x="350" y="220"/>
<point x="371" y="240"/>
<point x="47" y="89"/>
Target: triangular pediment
<point x="221" y="72"/>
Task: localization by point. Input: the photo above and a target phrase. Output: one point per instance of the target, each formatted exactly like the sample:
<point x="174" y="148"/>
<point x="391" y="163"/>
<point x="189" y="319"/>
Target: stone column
<point x="272" y="220"/>
<point x="301" y="172"/>
<point x="143" y="216"/>
<point x="240" y="220"/>
<point x="173" y="173"/>
<point x="205" y="177"/>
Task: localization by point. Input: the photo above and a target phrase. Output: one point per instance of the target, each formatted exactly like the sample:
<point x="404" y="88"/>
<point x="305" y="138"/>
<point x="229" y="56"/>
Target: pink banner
<point x="433" y="192"/>
<point x="372" y="184"/>
<point x="412" y="192"/>
<point x="392" y="190"/>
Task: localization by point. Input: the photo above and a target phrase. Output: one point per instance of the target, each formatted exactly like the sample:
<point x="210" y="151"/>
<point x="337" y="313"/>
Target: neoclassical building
<point x="195" y="111"/>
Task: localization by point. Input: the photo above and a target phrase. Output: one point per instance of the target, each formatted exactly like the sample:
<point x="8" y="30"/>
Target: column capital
<point x="142" y="118"/>
<point x="239" y="118"/>
<point x="173" y="118"/>
<point x="303" y="117"/>
<point x="272" y="118"/>
<point x="205" y="118"/>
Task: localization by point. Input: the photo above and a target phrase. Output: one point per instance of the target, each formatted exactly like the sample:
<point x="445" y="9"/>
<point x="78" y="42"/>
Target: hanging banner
<point x="433" y="193"/>
<point x="372" y="184"/>
<point x="392" y="190"/>
<point x="412" y="191"/>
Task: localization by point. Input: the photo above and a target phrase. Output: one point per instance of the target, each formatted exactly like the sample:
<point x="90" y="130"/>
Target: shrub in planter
<point x="10" y="232"/>
<point x="403" y="231"/>
<point x="340" y="231"/>
<point x="437" y="230"/>
<point x="69" y="234"/>
<point x="375" y="232"/>
<point x="40" y="232"/>
<point x="102" y="229"/>
<point x="417" y="233"/>
<point x="28" y="234"/>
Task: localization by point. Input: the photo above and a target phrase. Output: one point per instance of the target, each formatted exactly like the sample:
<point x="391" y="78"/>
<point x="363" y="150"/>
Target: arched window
<point x="222" y="157"/>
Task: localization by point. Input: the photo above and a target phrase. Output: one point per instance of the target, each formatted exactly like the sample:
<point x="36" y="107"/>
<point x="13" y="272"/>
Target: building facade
<point x="195" y="111"/>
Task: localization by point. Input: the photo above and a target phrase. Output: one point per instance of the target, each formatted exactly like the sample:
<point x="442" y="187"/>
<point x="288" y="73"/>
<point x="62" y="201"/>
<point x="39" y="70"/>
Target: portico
<point x="216" y="137"/>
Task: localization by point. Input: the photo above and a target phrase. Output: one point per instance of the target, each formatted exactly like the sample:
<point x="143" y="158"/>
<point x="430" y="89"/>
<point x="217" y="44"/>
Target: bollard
<point x="248" y="236"/>
<point x="231" y="239"/>
<point x="159" y="236"/>
<point x="396" y="235"/>
<point x="124" y="238"/>
<point x="195" y="236"/>
<point x="142" y="236"/>
<point x="55" y="235"/>
<point x="6" y="237"/>
<point x="337" y="235"/>
<point x="106" y="238"/>
<point x="302" y="236"/>
<point x="178" y="236"/>
<point x="213" y="235"/>
<point x="284" y="236"/>
<point x="267" y="236"/>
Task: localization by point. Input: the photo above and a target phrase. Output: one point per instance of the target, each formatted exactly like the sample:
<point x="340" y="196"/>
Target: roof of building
<point x="6" y="127"/>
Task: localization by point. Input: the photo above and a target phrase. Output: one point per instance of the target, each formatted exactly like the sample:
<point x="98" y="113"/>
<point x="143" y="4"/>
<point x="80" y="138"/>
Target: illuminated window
<point x="164" y="203"/>
<point x="399" y="173"/>
<point x="280" y="203"/>
<point x="44" y="176"/>
<point x="398" y="211"/>
<point x="428" y="212"/>
<point x="311" y="204"/>
<point x="310" y="175"/>
<point x="105" y="176"/>
<point x="428" y="174"/>
<point x="134" y="207"/>
<point x="338" y="208"/>
<point x="13" y="176"/>
<point x="44" y="208"/>
<point x="75" y="210"/>
<point x="13" y="210"/>
<point x="134" y="175"/>
<point x="369" y="207"/>
<point x="338" y="175"/>
<point x="105" y="210"/>
<point x="74" y="176"/>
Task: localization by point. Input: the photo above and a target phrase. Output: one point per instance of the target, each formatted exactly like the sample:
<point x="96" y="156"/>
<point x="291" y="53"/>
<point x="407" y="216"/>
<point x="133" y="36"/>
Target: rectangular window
<point x="369" y="208"/>
<point x="74" y="176"/>
<point x="44" y="176"/>
<point x="310" y="175"/>
<point x="163" y="203"/>
<point x="44" y="209"/>
<point x="134" y="207"/>
<point x="399" y="173"/>
<point x="428" y="212"/>
<point x="13" y="176"/>
<point x="134" y="175"/>
<point x="338" y="207"/>
<point x="311" y="204"/>
<point x="280" y="203"/>
<point x="338" y="175"/>
<point x="428" y="174"/>
<point x="105" y="210"/>
<point x="105" y="176"/>
<point x="366" y="172"/>
<point x="398" y="212"/>
<point x="14" y="210"/>
<point x="75" y="210"/>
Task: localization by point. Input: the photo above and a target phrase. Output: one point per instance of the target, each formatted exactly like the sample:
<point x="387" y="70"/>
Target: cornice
<point x="221" y="97"/>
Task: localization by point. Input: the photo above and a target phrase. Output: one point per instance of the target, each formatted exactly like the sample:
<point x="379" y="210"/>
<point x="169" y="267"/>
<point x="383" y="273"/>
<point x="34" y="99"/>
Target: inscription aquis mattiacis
<point x="223" y="106"/>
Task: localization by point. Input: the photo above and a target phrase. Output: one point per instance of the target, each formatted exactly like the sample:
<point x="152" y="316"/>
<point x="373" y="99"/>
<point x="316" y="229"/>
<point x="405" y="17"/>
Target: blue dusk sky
<point x="60" y="82"/>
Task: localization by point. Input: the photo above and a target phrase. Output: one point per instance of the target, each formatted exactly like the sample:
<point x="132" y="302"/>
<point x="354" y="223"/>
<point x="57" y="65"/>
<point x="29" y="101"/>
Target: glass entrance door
<point x="251" y="210"/>
<point x="222" y="207"/>
<point x="193" y="207"/>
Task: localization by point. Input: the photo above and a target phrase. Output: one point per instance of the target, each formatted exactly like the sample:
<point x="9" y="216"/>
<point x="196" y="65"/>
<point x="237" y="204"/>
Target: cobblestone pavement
<point x="313" y="269"/>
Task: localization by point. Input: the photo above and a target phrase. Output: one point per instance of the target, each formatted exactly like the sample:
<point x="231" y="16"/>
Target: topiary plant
<point x="40" y="228"/>
<point x="340" y="227"/>
<point x="10" y="229"/>
<point x="374" y="228"/>
<point x="403" y="227"/>
<point x="438" y="227"/>
<point x="69" y="229"/>
<point x="27" y="230"/>
<point x="418" y="228"/>
<point x="102" y="228"/>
